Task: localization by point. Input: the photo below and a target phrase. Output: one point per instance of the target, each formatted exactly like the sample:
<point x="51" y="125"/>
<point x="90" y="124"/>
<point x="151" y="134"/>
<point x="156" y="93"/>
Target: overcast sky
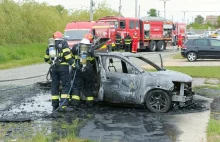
<point x="174" y="8"/>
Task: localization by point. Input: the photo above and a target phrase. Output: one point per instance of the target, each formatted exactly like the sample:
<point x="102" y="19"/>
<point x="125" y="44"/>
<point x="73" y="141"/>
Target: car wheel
<point x="152" y="46"/>
<point x="160" y="46"/>
<point x="191" y="56"/>
<point x="158" y="101"/>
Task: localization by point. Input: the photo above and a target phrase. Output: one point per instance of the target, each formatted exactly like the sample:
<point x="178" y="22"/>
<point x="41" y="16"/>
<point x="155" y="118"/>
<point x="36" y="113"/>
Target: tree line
<point x="198" y="23"/>
<point x="32" y="22"/>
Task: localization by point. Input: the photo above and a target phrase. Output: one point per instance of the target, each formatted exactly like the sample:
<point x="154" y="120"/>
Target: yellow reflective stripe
<point x="64" y="96"/>
<point x="64" y="63"/>
<point x="75" y="97"/>
<point x="46" y="56"/>
<point x="66" y="50"/>
<point x="104" y="46"/>
<point x="63" y="106"/>
<point x="89" y="98"/>
<point x="55" y="97"/>
<point x="90" y="58"/>
<point x="68" y="56"/>
<point x="76" y="57"/>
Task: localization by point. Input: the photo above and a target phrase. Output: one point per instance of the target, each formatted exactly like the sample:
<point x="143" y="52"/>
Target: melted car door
<point x="121" y="84"/>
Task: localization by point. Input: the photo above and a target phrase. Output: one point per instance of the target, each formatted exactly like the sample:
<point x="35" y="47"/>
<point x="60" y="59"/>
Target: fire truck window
<point x="131" y="24"/>
<point x="122" y="24"/>
<point x="137" y="25"/>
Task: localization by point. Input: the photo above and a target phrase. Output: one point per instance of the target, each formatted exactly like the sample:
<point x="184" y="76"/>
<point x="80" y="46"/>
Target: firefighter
<point x="118" y="41"/>
<point x="84" y="58"/>
<point x="180" y="41"/>
<point x="127" y="41"/>
<point x="59" y="56"/>
<point x="135" y="41"/>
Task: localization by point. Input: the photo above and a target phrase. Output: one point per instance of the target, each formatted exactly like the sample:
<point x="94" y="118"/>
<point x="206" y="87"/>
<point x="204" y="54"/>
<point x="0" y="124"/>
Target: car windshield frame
<point x="75" y="34"/>
<point x="147" y="61"/>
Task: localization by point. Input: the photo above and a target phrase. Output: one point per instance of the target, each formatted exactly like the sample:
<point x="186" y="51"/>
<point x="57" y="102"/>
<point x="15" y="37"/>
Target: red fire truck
<point x="180" y="28"/>
<point x="75" y="31"/>
<point x="154" y="33"/>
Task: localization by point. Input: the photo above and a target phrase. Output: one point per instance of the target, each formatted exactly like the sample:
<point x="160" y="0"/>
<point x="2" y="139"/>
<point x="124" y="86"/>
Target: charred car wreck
<point x="127" y="78"/>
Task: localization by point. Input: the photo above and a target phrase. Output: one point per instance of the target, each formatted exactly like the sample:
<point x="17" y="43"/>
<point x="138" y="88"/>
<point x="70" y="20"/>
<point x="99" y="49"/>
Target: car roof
<point x="124" y="54"/>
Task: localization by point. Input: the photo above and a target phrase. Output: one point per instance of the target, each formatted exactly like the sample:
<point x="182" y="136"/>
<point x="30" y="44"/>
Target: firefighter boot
<point x="90" y="103"/>
<point x="75" y="103"/>
<point x="65" y="109"/>
<point x="55" y="108"/>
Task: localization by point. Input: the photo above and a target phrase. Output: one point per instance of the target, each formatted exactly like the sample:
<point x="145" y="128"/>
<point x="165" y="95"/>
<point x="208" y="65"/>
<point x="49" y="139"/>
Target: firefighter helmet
<point x="89" y="36"/>
<point x="85" y="41"/>
<point x="57" y="35"/>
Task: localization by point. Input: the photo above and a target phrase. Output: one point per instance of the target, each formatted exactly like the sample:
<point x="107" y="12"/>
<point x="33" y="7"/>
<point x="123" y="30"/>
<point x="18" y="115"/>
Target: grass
<point x="213" y="130"/>
<point x="59" y="131"/>
<point x="20" y="55"/>
<point x="198" y="71"/>
<point x="177" y="56"/>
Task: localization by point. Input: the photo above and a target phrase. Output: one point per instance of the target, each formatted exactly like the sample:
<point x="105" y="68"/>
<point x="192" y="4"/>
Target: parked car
<point x="205" y="48"/>
<point x="216" y="34"/>
<point x="207" y="34"/>
<point x="126" y="78"/>
<point x="191" y="35"/>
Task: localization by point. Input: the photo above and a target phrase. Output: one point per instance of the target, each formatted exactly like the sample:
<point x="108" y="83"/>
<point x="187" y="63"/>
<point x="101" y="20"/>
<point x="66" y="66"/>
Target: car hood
<point x="173" y="75"/>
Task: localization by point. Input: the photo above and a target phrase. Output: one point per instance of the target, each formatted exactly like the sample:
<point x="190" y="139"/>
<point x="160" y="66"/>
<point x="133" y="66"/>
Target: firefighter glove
<point x="76" y="67"/>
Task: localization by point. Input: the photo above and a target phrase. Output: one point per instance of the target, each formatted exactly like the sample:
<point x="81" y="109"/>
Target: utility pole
<point x="164" y="7"/>
<point x="91" y="9"/>
<point x="139" y="12"/>
<point x="120" y="7"/>
<point x="135" y="8"/>
<point x="184" y="16"/>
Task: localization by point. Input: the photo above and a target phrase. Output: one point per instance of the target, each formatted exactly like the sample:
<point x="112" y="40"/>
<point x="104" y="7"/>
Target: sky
<point x="174" y="8"/>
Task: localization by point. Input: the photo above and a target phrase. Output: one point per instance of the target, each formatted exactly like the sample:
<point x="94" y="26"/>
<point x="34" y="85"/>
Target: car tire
<point x="191" y="56"/>
<point x="160" y="45"/>
<point x="152" y="46"/>
<point x="158" y="101"/>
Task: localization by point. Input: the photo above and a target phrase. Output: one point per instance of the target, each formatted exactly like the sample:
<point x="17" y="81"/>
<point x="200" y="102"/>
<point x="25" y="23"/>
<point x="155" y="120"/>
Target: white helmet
<point x="85" y="41"/>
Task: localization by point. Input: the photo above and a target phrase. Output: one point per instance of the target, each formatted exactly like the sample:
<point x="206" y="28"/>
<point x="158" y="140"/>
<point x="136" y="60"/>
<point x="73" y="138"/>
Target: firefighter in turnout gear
<point x="84" y="59"/>
<point x="127" y="41"/>
<point x="118" y="41"/>
<point x="59" y="56"/>
<point x="135" y="41"/>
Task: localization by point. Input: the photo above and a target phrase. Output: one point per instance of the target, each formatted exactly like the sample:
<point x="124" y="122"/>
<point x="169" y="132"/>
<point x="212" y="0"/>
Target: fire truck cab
<point x="75" y="31"/>
<point x="153" y="33"/>
<point x="180" y="28"/>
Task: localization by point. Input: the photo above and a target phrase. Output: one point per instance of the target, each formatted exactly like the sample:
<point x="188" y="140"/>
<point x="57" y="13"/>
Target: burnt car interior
<point x="120" y="66"/>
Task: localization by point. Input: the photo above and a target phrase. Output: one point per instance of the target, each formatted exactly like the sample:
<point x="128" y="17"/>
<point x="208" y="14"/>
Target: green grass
<point x="177" y="56"/>
<point x="20" y="55"/>
<point x="198" y="71"/>
<point x="61" y="131"/>
<point x="213" y="130"/>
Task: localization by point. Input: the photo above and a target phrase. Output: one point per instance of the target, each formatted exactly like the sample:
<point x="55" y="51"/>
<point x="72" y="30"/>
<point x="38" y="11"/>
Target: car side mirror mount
<point x="111" y="60"/>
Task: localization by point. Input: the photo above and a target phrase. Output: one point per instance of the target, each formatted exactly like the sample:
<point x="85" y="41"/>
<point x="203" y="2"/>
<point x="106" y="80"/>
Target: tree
<point x="152" y="12"/>
<point x="199" y="19"/>
<point x="218" y="22"/>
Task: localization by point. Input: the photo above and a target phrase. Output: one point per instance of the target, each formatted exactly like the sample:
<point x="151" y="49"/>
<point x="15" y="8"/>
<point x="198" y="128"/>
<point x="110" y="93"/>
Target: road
<point x="107" y="122"/>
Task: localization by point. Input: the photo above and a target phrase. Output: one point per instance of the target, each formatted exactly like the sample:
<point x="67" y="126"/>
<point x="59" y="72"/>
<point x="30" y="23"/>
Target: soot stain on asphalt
<point x="102" y="122"/>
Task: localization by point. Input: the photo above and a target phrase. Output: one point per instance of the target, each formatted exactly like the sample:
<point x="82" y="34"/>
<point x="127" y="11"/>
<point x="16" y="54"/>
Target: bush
<point x="32" y="22"/>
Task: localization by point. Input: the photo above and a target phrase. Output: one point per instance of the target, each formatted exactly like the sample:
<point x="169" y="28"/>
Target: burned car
<point x="127" y="78"/>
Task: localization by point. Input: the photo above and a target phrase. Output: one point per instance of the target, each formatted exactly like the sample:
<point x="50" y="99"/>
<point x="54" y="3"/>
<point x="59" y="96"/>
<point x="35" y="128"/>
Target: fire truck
<point x="153" y="32"/>
<point x="180" y="28"/>
<point x="103" y="32"/>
